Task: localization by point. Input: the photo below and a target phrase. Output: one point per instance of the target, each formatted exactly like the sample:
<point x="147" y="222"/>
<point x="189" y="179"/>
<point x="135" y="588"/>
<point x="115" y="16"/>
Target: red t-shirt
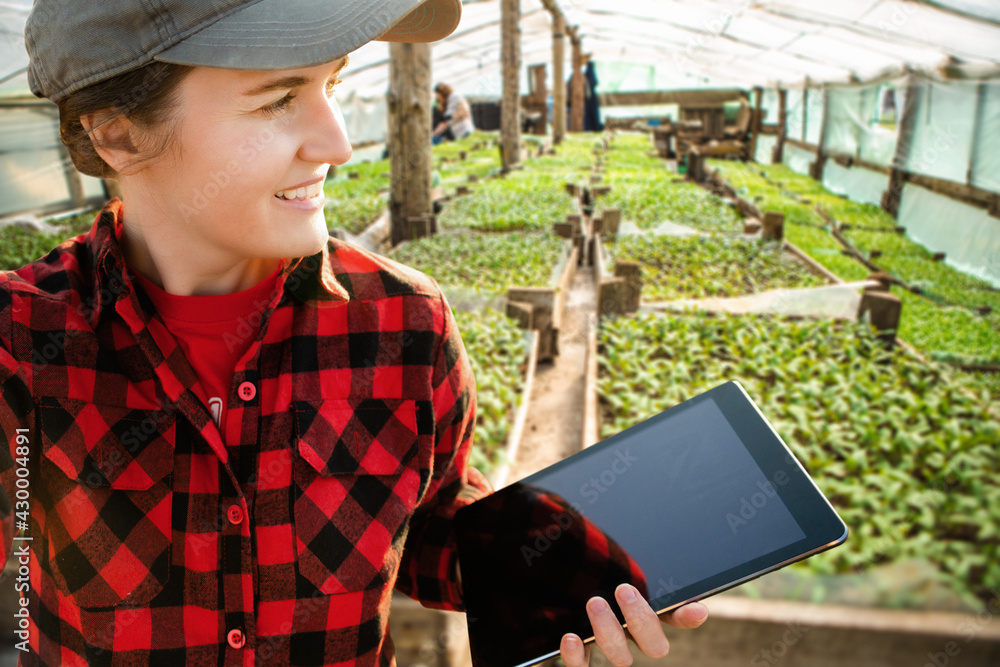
<point x="214" y="332"/>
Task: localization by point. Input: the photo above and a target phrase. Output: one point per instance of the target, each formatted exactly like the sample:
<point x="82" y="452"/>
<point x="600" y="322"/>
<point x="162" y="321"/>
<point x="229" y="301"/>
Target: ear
<point x="112" y="135"/>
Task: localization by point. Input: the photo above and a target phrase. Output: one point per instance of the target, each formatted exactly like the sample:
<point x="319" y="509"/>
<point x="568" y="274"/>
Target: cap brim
<point x="431" y="21"/>
<point x="279" y="34"/>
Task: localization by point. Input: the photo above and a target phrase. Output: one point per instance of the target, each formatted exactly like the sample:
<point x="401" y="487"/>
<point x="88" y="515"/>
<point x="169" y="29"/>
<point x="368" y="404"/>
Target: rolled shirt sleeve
<point x="428" y="567"/>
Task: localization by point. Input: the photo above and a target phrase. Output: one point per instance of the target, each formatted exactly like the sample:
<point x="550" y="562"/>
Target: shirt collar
<point x="307" y="278"/>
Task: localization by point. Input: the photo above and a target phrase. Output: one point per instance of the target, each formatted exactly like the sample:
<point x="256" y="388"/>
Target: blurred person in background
<point x="457" y="120"/>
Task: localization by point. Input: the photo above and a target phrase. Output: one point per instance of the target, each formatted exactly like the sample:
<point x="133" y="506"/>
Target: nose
<point x="325" y="138"/>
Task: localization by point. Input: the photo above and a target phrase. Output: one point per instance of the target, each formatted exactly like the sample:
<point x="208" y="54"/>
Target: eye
<point x="277" y="107"/>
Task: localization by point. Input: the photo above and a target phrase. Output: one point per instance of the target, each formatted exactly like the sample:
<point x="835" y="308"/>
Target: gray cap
<point x="74" y="44"/>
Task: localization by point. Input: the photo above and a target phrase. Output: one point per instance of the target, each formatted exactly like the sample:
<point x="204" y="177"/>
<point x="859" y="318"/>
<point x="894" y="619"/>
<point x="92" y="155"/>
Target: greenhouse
<point x="658" y="197"/>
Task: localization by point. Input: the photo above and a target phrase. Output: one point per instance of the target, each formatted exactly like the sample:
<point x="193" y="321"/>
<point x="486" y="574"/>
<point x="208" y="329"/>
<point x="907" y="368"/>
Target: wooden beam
<point x="816" y="169"/>
<point x="966" y="194"/>
<point x="848" y="162"/>
<point x="558" y="79"/>
<point x="510" y="60"/>
<point x="803" y="145"/>
<point x="409" y="136"/>
<point x="576" y="116"/>
<point x="977" y="129"/>
<point x="692" y="99"/>
<point x="757" y="123"/>
<point x="907" y="121"/>
<point x="805" y="108"/>
<point x="778" y="155"/>
<point x="557" y="13"/>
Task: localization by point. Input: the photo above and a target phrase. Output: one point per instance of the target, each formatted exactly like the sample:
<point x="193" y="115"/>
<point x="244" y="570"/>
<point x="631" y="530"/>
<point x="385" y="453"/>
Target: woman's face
<point x="245" y="141"/>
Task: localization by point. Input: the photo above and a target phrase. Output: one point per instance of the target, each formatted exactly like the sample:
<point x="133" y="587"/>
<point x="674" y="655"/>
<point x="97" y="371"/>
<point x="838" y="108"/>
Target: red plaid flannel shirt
<point x="152" y="541"/>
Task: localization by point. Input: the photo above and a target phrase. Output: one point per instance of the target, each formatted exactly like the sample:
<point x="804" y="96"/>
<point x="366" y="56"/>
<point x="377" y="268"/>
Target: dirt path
<point x="554" y="426"/>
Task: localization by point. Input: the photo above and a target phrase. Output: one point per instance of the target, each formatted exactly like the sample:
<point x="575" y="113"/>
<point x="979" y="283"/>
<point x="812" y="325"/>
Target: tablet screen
<point x="677" y="505"/>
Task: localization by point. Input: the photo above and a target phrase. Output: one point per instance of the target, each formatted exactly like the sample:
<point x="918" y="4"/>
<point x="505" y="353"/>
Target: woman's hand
<point x="644" y="626"/>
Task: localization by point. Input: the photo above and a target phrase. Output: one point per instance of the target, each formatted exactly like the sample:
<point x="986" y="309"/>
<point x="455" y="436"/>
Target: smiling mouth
<point x="308" y="192"/>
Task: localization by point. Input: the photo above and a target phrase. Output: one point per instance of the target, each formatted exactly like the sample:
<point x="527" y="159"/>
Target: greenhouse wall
<point x="798" y="159"/>
<point x="765" y="148"/>
<point x="366" y="118"/>
<point x="769" y="105"/>
<point x="794" y="101"/>
<point x="32" y="166"/>
<point x="862" y="122"/>
<point x="969" y="236"/>
<point x="844" y="122"/>
<point x="814" y="115"/>
<point x="944" y="130"/>
<point x="856" y="183"/>
<point x="986" y="153"/>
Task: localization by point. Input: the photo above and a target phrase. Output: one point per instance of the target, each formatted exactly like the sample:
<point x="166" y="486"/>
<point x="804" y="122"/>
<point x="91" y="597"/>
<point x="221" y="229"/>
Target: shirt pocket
<point x="355" y="482"/>
<point x="107" y="474"/>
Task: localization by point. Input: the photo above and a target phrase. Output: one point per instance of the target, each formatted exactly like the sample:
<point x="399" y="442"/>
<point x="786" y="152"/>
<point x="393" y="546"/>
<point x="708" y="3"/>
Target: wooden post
<point x="510" y="59"/>
<point x="632" y="273"/>
<point x="696" y="166"/>
<point x="563" y="229"/>
<point x="884" y="282"/>
<point x="778" y="155"/>
<point x="882" y="310"/>
<point x="611" y="297"/>
<point x="558" y="79"/>
<point x="409" y="136"/>
<point x="774" y="226"/>
<point x="576" y="117"/>
<point x="907" y="120"/>
<point x="575" y="220"/>
<point x="523" y="312"/>
<point x="74" y="179"/>
<point x="610" y="221"/>
<point x="757" y="122"/>
<point x="804" y="120"/>
<point x="976" y="133"/>
<point x="816" y="169"/>
<point x="543" y="301"/>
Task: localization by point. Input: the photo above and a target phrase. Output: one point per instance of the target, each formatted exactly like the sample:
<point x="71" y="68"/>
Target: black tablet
<point x="690" y="502"/>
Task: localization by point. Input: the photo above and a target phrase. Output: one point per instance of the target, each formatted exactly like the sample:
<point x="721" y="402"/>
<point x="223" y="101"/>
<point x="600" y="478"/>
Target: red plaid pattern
<point x="153" y="542"/>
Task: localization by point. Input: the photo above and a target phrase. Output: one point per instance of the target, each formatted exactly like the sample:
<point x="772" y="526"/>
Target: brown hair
<point x="145" y="96"/>
<point x="444" y="89"/>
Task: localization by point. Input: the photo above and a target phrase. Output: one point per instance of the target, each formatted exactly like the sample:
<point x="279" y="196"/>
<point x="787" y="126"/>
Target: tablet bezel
<point x="808" y="506"/>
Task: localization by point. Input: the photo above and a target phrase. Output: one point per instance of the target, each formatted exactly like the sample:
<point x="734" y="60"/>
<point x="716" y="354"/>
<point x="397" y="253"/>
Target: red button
<point x="235" y="514"/>
<point x="247" y="391"/>
<point x="236" y="638"/>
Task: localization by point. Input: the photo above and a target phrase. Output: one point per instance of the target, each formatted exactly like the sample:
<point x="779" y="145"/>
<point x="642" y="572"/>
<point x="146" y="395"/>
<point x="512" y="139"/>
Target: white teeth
<point x="302" y="193"/>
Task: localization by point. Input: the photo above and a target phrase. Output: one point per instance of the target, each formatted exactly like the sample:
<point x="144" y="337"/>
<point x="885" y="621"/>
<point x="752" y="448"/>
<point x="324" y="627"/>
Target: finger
<point x="608" y="632"/>
<point x="689" y="616"/>
<point x="643" y="623"/>
<point x="572" y="651"/>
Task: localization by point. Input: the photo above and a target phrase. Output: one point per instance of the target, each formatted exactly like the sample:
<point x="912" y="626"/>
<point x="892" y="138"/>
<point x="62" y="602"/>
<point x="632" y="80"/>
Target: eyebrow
<point x="291" y="81"/>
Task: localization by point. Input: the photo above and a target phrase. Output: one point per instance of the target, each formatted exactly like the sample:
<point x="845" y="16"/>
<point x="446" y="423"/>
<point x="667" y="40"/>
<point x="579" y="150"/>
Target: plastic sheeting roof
<point x="688" y="42"/>
<point x="725" y="43"/>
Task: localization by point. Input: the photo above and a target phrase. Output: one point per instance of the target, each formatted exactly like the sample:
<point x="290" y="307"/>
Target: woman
<point x="238" y="434"/>
<point x="457" y="122"/>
